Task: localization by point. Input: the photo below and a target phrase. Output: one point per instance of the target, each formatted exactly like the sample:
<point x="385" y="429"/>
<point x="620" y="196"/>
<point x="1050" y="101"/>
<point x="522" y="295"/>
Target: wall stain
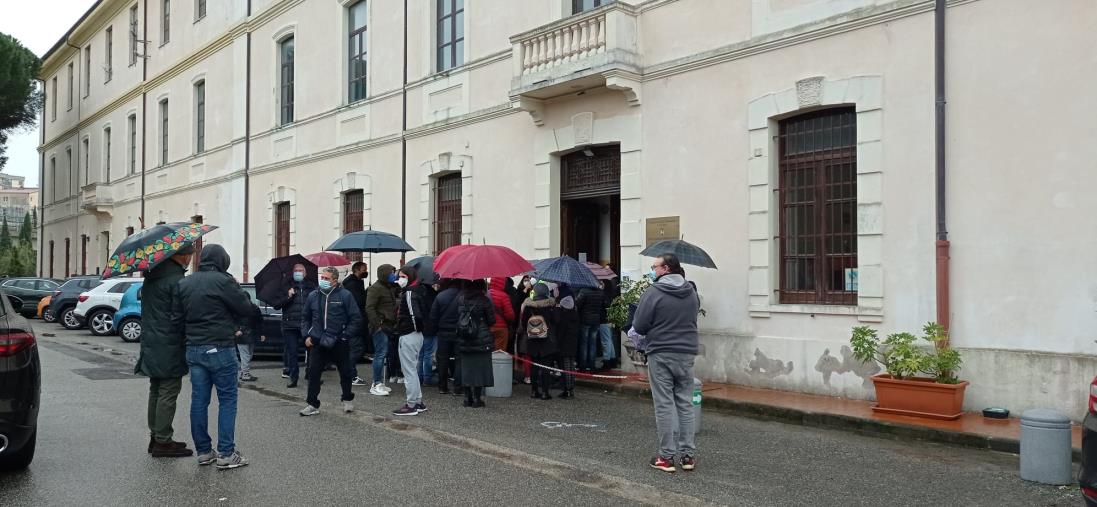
<point x="762" y="366"/>
<point x="828" y="365"/>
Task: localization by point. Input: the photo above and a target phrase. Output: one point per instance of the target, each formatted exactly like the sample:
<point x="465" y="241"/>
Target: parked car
<point x="64" y="300"/>
<point x="272" y="326"/>
<point x="96" y="307"/>
<point x="127" y="320"/>
<point x="43" y="309"/>
<point x="29" y="291"/>
<point x="20" y="388"/>
<point x="1087" y="477"/>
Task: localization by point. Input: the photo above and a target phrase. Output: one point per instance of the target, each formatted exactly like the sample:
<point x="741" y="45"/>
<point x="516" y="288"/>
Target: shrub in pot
<point x="920" y="378"/>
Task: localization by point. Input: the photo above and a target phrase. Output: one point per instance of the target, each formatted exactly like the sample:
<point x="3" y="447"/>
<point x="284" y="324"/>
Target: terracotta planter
<point x="919" y="397"/>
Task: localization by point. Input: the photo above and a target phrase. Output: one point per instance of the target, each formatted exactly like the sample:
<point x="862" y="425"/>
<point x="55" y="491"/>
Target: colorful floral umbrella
<point x="144" y="250"/>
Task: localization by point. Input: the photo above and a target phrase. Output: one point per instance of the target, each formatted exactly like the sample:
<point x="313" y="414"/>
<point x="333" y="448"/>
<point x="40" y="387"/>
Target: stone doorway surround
<point x="585" y="129"/>
<point x="275" y="196"/>
<point x="349" y="182"/>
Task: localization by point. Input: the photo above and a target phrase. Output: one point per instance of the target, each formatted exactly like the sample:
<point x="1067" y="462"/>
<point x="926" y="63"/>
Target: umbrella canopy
<point x="446" y="254"/>
<point x="424" y="266"/>
<point x="687" y="253"/>
<point x="276" y="275"/>
<point x="144" y="250"/>
<point x="370" y="241"/>
<point x="565" y="270"/>
<point x="483" y="261"/>
<point x="601" y="272"/>
<point x="325" y="259"/>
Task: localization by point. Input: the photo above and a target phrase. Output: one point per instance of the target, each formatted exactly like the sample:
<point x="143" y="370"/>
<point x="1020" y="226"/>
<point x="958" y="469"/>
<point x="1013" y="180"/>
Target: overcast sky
<point x="38" y="25"/>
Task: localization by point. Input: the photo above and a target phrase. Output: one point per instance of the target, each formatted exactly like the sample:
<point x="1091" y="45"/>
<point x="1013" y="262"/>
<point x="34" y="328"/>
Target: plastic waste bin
<point x="696" y="405"/>
<point x="502" y="369"/>
<point x="1045" y="447"/>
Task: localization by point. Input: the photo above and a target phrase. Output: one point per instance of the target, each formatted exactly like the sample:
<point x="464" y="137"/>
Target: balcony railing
<point x="96" y="198"/>
<point x="597" y="48"/>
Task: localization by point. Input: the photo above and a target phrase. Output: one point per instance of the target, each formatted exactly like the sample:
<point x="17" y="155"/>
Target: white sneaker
<point x="379" y="389"/>
<point x="309" y="410"/>
<point x="236" y="460"/>
<point x="400" y="380"/>
<point x="386" y="388"/>
<point x="358" y="381"/>
<point x="348" y="407"/>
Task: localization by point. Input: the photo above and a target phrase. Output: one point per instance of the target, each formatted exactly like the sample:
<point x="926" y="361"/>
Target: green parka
<point x="163" y="350"/>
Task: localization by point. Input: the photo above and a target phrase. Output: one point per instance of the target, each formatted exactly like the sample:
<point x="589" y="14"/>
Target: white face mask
<point x="402" y="282"/>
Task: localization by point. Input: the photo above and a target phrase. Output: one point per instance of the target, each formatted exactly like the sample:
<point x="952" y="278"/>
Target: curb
<point x="867" y="427"/>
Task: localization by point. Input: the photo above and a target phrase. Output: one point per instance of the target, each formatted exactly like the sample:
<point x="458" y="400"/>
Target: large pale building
<point x="792" y="139"/>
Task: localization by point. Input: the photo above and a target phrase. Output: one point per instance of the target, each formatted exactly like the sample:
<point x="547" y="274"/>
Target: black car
<point x="20" y="388"/>
<point x="28" y="292"/>
<point x="65" y="297"/>
<point x="272" y="327"/>
<point x="1087" y="478"/>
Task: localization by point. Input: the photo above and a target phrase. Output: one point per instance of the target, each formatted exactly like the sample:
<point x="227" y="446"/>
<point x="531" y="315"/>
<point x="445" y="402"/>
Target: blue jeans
<point x="588" y="346"/>
<point x="212" y="367"/>
<point x="426" y="358"/>
<point x="380" y="352"/>
<point x="605" y="333"/>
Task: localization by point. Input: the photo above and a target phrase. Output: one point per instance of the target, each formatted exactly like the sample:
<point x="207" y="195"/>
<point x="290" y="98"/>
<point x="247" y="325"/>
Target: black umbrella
<point x="687" y="253"/>
<point x="277" y="275"/>
<point x="370" y="241"/>
<point x="144" y="250"/>
<point x="424" y="266"/>
<point x="565" y="270"/>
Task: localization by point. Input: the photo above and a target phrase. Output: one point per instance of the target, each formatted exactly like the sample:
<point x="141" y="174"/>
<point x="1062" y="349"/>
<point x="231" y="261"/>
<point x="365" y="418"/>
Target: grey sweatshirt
<point x="667" y="315"/>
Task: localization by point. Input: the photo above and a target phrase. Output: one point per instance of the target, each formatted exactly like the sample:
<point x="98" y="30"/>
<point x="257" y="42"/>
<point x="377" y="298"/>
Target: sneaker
<point x="393" y="380"/>
<point x="236" y="460"/>
<point x="688" y="463"/>
<point x="378" y="389"/>
<point x="661" y="463"/>
<point x="358" y="381"/>
<point x="385" y="388"/>
<point x="399" y="380"/>
<point x="247" y="377"/>
<point x="169" y="450"/>
<point x="405" y="410"/>
<point x="285" y="373"/>
<point x="527" y="381"/>
<point x="207" y="458"/>
<point x="309" y="410"/>
<point x="348" y="407"/>
<point x="420" y="407"/>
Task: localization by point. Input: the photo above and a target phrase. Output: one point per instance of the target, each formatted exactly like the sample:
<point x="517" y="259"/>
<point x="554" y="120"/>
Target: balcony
<point x="596" y="48"/>
<point x="96" y="198"/>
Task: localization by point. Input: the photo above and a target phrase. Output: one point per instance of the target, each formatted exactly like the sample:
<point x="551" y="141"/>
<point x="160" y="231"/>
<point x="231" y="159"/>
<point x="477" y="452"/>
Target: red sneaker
<point x="661" y="463"/>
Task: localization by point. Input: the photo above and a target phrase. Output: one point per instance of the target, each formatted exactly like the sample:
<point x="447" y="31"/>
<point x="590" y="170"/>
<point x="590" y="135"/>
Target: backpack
<point x="468" y="323"/>
<point x="537" y="328"/>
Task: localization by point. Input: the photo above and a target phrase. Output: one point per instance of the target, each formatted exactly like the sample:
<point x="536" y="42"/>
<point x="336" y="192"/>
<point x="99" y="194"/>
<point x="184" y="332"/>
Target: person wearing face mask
<point x="292" y="302"/>
<point x="381" y="315"/>
<point x="330" y="319"/>
<point x="414" y="312"/>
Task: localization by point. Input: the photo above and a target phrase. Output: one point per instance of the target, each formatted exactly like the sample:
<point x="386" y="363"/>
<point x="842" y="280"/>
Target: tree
<point x="5" y="237"/>
<point x="25" y="231"/>
<point x="20" y="98"/>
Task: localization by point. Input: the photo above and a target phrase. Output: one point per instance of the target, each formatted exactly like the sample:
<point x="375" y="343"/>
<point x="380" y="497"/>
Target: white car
<point x="96" y="307"/>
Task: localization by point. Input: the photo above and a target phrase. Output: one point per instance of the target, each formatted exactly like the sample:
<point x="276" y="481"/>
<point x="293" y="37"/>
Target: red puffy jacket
<point x="504" y="308"/>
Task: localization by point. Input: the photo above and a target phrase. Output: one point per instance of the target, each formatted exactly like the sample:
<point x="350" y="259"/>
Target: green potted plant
<point x="920" y="378"/>
<point x="621" y="310"/>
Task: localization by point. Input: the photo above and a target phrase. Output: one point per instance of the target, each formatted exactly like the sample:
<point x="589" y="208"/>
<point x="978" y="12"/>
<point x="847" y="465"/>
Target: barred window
<point x="281" y="229"/>
<point x="353" y="206"/>
<point x="447" y="212"/>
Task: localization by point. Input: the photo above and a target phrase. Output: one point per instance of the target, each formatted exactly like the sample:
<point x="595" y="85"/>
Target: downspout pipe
<point x="144" y="105"/>
<point x="942" y="241"/>
<point x="247" y="144"/>
<point x="41" y="188"/>
<point x="404" y="140"/>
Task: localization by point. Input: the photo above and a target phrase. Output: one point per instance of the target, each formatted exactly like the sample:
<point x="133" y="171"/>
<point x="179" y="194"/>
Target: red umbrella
<point x="475" y="262"/>
<point x="444" y="257"/>
<point x="326" y="259"/>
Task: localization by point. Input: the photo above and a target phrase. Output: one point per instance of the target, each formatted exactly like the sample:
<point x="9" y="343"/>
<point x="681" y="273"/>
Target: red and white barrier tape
<point x="568" y="372"/>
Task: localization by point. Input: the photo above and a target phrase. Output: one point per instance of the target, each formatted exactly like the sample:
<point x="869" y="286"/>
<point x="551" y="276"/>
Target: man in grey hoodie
<point x="667" y="315"/>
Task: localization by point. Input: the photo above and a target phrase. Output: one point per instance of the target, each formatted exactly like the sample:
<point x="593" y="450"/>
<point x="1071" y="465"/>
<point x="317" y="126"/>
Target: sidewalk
<point x="971" y="430"/>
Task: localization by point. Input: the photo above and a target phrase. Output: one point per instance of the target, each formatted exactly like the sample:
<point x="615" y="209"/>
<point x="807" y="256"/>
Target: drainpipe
<point x="144" y="105"/>
<point x="942" y="243"/>
<point x="41" y="186"/>
<point x="404" y="141"/>
<point x="247" y="144"/>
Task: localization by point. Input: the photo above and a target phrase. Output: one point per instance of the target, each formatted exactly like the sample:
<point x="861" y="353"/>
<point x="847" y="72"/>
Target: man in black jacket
<point x="211" y="306"/>
<point x="442" y="323"/>
<point x="589" y="304"/>
<point x="292" y="302"/>
<point x="356" y="285"/>
<point x="328" y="321"/>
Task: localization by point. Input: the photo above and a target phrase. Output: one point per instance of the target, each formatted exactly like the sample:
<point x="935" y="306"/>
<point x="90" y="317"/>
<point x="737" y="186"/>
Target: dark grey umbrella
<point x="370" y="241"/>
<point x="424" y="266"/>
<point x="565" y="270"/>
<point x="687" y="253"/>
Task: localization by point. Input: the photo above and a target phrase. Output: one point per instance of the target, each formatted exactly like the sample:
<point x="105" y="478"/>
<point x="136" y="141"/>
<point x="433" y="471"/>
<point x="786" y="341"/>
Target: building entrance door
<point x="590" y="205"/>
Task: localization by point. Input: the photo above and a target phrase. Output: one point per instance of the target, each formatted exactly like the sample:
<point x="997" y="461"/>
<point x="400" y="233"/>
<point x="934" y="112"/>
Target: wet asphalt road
<point x="92" y="436"/>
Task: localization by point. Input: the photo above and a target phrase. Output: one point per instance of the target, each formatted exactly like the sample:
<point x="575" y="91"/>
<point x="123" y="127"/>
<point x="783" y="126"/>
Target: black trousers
<point x="393" y="361"/>
<point x="319" y="358"/>
<point x="541" y="378"/>
<point x="448" y="362"/>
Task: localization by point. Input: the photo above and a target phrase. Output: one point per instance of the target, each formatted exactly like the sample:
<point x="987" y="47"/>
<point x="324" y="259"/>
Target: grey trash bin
<point x="696" y="405"/>
<point x="502" y="369"/>
<point x="1045" y="447"/>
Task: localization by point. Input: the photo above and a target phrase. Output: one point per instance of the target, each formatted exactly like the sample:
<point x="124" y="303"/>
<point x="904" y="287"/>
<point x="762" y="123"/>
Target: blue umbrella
<point x="424" y="267"/>
<point x="370" y="241"/>
<point x="565" y="270"/>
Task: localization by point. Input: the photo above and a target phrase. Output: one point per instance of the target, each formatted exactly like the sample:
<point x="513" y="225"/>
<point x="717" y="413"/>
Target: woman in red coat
<point x="504" y="312"/>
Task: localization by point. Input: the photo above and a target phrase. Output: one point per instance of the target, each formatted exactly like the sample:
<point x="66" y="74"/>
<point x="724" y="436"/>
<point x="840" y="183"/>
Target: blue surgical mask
<point x="298" y="276"/>
<point x="325" y="285"/>
<point x="392" y="278"/>
<point x="652" y="275"/>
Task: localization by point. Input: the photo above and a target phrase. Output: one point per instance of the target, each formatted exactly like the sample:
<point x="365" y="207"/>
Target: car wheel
<point x="21" y="458"/>
<point x="130" y="330"/>
<point x="69" y="320"/>
<point x="47" y="316"/>
<point x="101" y="322"/>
